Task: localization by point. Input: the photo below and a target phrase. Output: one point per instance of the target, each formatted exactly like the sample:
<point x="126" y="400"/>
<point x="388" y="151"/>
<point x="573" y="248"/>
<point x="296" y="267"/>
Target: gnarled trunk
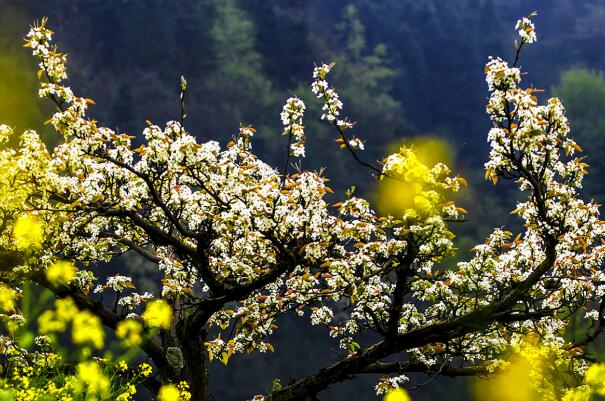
<point x="195" y="370"/>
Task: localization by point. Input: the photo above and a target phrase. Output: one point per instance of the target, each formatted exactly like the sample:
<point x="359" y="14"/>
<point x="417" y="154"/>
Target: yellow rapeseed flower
<point x="581" y="393"/>
<point x="158" y="314"/>
<point x="52" y="321"/>
<point x="66" y="309"/>
<point x="416" y="181"/>
<point x="169" y="392"/>
<point x="184" y="389"/>
<point x="397" y="394"/>
<point x="61" y="272"/>
<point x="87" y="329"/>
<point x="27" y="232"/>
<point x="535" y="371"/>
<point x="7" y="298"/>
<point x="91" y="377"/>
<point x="128" y="394"/>
<point x="146" y="369"/>
<point x="595" y="377"/>
<point x="130" y="331"/>
<point x="122" y="365"/>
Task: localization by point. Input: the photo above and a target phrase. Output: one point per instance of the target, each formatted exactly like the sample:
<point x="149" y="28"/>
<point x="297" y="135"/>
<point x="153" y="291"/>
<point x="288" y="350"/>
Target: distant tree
<point x="237" y="86"/>
<point x="366" y="76"/>
<point x="583" y="92"/>
<point x="284" y="31"/>
<point x="369" y="76"/>
<point x="239" y="243"/>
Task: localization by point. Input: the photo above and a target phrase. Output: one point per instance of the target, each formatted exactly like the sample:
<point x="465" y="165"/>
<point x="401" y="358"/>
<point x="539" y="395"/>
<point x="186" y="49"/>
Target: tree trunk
<point x="195" y="371"/>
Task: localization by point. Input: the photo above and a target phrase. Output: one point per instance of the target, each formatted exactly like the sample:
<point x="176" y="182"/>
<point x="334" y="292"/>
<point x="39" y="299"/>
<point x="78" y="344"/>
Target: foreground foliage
<point x="239" y="243"/>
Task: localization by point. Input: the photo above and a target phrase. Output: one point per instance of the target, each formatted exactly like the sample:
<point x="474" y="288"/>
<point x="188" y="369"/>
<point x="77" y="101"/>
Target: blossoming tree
<point x="238" y="243"/>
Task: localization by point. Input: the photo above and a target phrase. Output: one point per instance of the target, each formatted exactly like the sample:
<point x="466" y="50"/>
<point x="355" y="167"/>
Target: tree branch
<point x="418" y="367"/>
<point x="474" y="321"/>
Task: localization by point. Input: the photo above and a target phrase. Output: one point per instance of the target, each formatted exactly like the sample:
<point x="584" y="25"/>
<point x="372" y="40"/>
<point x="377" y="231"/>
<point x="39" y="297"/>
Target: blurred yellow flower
<point x="91" y="377"/>
<point x="52" y="321"/>
<point x="7" y="298"/>
<point x="512" y="384"/>
<point x="158" y="314"/>
<point x="27" y="232"/>
<point x="416" y="180"/>
<point x="129" y="331"/>
<point x="595" y="377"/>
<point x="169" y="392"/>
<point x="536" y="371"/>
<point x="87" y="329"/>
<point x="61" y="272"/>
<point x="582" y="393"/>
<point x="66" y="309"/>
<point x="397" y="394"/>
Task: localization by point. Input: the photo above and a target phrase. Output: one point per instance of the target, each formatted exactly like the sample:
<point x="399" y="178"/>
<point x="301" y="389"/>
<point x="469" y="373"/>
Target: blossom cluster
<point x="561" y="250"/>
<point x="51" y="61"/>
<point x="527" y="30"/>
<point x="332" y="106"/>
<point x="321" y="89"/>
<point x="292" y="119"/>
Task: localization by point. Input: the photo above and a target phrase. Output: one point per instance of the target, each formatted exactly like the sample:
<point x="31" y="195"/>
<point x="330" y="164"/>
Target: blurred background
<point x="407" y="71"/>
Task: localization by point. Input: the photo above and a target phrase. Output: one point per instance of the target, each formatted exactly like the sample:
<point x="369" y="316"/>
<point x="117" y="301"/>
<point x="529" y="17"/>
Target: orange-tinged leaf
<point x="488" y="173"/>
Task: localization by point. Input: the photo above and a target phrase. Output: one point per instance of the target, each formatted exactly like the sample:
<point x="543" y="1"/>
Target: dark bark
<point x="195" y="371"/>
<point x="10" y="259"/>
